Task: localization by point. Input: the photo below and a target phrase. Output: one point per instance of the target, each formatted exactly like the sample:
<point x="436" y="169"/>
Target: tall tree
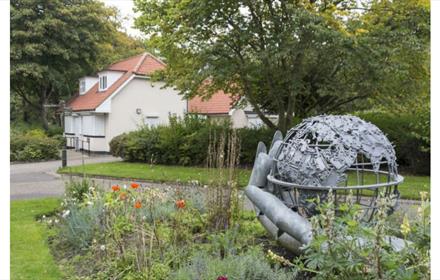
<point x="55" y="42"/>
<point x="294" y="58"/>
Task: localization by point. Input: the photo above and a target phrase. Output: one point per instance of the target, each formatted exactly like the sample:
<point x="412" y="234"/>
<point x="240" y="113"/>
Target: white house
<point x="117" y="100"/>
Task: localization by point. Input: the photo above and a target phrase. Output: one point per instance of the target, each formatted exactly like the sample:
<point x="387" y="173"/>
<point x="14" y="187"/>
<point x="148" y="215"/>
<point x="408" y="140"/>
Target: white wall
<point x="150" y="99"/>
<point x="89" y="83"/>
<point x="112" y="76"/>
<point x="68" y="124"/>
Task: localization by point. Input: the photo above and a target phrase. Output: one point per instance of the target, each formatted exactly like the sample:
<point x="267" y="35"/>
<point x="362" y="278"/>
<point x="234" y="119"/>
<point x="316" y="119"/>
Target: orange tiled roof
<point x="219" y="103"/>
<point x="142" y="64"/>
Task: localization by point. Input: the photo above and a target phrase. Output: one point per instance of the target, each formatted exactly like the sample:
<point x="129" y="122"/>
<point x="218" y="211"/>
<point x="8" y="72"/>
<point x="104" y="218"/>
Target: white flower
<point x="44" y="216"/>
<point x="125" y="187"/>
<point x="94" y="240"/>
<point x="102" y="247"/>
<point x="56" y="221"/>
<point x="89" y="203"/>
<point x="66" y="213"/>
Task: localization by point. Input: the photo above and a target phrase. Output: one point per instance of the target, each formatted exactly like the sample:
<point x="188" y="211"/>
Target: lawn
<point x="171" y="174"/>
<point x="30" y="255"/>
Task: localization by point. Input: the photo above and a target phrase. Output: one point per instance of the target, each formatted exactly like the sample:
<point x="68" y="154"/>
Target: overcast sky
<point x="126" y="9"/>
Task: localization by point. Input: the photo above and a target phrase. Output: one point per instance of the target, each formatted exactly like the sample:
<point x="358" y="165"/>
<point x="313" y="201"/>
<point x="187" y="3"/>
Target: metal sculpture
<point x="322" y="155"/>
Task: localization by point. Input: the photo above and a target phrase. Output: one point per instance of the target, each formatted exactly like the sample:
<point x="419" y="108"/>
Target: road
<point x="39" y="179"/>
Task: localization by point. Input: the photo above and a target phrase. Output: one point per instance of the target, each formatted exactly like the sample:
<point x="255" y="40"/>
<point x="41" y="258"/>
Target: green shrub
<point x="249" y="265"/>
<point x="33" y="146"/>
<point x="185" y="141"/>
<point x="117" y="145"/>
<point x="249" y="138"/>
<point x="411" y="148"/>
<point x="30" y="143"/>
<point x="344" y="248"/>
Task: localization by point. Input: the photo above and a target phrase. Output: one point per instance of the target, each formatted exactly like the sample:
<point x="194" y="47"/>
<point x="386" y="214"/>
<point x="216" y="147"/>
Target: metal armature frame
<point x="386" y="183"/>
<point x="317" y="158"/>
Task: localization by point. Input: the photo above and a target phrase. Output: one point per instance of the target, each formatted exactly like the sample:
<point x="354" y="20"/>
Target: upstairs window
<point x="103" y="82"/>
<point x="82" y="86"/>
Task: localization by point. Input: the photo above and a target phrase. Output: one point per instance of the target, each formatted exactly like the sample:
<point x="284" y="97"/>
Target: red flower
<point x="123" y="196"/>
<point x="138" y="204"/>
<point x="116" y="188"/>
<point x="180" y="204"/>
<point x="134" y="185"/>
<point x="222" y="278"/>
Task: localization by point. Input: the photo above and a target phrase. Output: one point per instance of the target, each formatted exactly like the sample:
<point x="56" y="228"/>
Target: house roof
<point x="142" y="64"/>
<point x="219" y="103"/>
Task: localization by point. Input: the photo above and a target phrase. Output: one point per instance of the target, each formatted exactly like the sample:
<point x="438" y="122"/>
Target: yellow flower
<point x="423" y="195"/>
<point x="405" y="227"/>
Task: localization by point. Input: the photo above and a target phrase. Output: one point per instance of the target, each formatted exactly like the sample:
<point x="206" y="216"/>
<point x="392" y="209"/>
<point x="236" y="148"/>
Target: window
<point x="152" y="121"/>
<point x="103" y="82"/>
<point x="82" y="86"/>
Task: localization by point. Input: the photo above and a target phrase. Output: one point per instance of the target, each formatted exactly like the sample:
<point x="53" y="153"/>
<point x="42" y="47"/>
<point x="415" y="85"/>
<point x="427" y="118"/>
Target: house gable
<point x="144" y="64"/>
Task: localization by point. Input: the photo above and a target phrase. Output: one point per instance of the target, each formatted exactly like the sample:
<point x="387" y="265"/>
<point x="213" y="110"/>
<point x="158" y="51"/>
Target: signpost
<point x="62" y="106"/>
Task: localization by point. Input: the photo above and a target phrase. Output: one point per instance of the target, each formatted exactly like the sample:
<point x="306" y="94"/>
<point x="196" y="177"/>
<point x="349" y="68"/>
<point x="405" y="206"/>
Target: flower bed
<point x="136" y="232"/>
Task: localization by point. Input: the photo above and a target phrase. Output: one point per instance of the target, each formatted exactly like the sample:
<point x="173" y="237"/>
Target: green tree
<point x="55" y="42"/>
<point x="294" y="58"/>
<point x="401" y="29"/>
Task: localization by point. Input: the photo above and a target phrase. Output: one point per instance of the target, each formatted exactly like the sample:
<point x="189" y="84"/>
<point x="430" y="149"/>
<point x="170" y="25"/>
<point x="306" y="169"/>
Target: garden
<point x="206" y="231"/>
<point x="140" y="232"/>
<point x="181" y="207"/>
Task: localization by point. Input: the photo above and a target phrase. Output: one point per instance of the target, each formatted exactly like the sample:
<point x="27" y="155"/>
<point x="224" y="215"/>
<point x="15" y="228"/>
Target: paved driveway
<point x="33" y="180"/>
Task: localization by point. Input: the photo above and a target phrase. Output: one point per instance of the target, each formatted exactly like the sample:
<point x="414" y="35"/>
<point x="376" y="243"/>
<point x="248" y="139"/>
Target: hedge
<point x="411" y="153"/>
<point x="33" y="145"/>
<point x="186" y="141"/>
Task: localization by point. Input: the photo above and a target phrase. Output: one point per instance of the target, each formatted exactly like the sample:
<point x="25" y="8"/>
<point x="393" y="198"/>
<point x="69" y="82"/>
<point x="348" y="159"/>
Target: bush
<point x="33" y="147"/>
<point x="33" y="144"/>
<point x="183" y="142"/>
<point x="249" y="265"/>
<point x="410" y="147"/>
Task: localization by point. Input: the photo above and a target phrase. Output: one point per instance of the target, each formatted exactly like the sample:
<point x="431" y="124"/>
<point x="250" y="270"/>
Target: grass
<point x="30" y="254"/>
<point x="410" y="189"/>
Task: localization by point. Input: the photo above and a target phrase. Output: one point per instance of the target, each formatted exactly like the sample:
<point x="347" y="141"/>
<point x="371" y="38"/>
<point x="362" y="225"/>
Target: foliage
<point x="249" y="265"/>
<point x="293" y="58"/>
<point x="410" y="135"/>
<point x="140" y="232"/>
<point x="184" y="141"/>
<point x="33" y="145"/>
<point x="344" y="248"/>
<point x="53" y="43"/>
<point x="30" y="255"/>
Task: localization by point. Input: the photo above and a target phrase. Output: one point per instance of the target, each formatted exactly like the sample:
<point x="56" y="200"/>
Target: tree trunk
<point x="282" y="123"/>
<point x="25" y="111"/>
<point x="44" y="117"/>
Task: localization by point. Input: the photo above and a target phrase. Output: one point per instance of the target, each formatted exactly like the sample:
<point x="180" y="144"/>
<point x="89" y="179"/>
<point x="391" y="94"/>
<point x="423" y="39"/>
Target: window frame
<point x="103" y="82"/>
